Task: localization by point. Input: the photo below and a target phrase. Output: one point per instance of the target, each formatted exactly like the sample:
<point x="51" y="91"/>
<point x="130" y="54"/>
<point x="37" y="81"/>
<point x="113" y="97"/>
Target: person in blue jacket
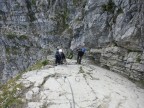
<point x="81" y="52"/>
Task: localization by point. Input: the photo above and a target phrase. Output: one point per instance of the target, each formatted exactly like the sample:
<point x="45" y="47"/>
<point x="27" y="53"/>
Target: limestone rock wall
<point x="32" y="29"/>
<point x="113" y="32"/>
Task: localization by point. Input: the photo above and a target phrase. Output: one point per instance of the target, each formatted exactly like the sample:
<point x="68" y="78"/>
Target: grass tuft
<point x="9" y="95"/>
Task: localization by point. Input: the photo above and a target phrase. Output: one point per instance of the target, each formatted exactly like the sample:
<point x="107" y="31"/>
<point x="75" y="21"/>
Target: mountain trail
<point x="80" y="86"/>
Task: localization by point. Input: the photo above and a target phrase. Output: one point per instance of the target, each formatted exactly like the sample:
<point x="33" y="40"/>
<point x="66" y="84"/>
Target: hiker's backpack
<point x="83" y="50"/>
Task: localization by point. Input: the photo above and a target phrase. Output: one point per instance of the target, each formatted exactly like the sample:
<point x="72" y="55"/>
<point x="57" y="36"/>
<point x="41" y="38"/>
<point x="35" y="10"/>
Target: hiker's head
<point x="60" y="50"/>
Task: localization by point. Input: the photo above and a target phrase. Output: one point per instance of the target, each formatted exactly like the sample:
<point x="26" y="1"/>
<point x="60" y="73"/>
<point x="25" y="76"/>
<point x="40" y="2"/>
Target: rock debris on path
<point x="80" y="86"/>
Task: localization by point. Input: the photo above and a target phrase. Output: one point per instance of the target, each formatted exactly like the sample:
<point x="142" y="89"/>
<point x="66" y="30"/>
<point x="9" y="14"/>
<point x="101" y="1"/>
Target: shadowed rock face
<point x="32" y="29"/>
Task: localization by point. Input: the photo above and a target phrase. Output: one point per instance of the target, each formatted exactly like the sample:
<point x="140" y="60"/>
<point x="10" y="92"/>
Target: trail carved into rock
<point x="80" y="86"/>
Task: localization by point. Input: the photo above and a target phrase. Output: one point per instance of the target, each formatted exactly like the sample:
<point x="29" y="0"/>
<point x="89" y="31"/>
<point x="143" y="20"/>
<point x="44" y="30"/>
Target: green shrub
<point x="10" y="96"/>
<point x="119" y="11"/>
<point x="12" y="50"/>
<point x="69" y="55"/>
<point x="45" y="62"/>
<point x="23" y="37"/>
<point x="114" y="43"/>
<point x="129" y="50"/>
<point x="11" y="36"/>
<point x="7" y="50"/>
<point x="31" y="16"/>
<point x="38" y="65"/>
<point x="33" y="2"/>
<point x="109" y="7"/>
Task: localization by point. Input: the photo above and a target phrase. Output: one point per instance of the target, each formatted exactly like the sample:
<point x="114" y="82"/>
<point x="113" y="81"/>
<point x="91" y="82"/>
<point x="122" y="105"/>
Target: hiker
<point x="57" y="57"/>
<point x="63" y="58"/>
<point x="81" y="52"/>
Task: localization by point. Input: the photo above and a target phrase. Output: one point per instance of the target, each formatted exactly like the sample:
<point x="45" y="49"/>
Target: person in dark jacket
<point x="81" y="52"/>
<point x="63" y="58"/>
<point x="57" y="57"/>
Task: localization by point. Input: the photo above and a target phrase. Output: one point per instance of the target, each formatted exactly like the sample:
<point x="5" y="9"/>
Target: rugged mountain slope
<point x="112" y="31"/>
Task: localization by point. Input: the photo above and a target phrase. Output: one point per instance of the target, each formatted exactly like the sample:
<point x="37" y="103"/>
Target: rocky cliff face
<point x="112" y="31"/>
<point x="115" y="29"/>
<point x="30" y="30"/>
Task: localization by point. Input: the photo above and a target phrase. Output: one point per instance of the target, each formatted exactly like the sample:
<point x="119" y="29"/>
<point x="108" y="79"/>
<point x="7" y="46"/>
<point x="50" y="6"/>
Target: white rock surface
<point x="80" y="86"/>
